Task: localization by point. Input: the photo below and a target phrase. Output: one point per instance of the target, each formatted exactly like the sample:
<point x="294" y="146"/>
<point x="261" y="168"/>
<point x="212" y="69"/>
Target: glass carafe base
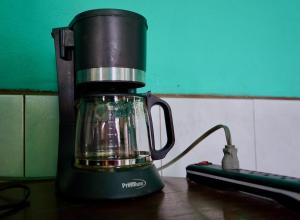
<point x="143" y="158"/>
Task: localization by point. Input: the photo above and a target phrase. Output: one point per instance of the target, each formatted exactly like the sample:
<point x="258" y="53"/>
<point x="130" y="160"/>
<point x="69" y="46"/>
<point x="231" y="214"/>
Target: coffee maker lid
<point x="107" y="12"/>
<point x="110" y="47"/>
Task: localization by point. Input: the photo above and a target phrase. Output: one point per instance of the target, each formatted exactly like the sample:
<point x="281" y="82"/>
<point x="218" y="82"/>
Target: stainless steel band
<point x="86" y="163"/>
<point x="110" y="74"/>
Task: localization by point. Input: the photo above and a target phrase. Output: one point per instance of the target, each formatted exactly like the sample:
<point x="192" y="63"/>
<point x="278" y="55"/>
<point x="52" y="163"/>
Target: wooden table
<point x="178" y="200"/>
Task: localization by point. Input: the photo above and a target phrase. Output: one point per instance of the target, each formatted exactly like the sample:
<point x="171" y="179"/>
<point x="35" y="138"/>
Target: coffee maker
<point x="106" y="137"/>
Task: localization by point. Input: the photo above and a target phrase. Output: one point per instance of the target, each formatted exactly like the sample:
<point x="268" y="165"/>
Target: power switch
<point x="204" y="163"/>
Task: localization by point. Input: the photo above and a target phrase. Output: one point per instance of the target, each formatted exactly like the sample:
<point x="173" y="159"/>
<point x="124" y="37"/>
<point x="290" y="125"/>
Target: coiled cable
<point x="10" y="208"/>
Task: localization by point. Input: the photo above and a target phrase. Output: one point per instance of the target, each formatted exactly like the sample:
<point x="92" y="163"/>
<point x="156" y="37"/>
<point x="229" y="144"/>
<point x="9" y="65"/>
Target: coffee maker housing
<point x="101" y="57"/>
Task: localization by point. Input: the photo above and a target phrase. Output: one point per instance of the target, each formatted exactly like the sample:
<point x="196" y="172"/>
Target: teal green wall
<point x="232" y="47"/>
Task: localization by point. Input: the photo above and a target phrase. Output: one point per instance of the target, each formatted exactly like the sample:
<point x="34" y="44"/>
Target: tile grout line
<point x="254" y="133"/>
<point x="24" y="133"/>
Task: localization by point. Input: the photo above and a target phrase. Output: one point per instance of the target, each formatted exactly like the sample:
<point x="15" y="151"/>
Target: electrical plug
<point x="230" y="159"/>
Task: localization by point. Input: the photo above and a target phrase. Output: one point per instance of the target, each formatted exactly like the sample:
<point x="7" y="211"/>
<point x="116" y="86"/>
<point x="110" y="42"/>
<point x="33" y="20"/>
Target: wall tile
<point x="277" y="127"/>
<point x="41" y="136"/>
<point x="192" y="117"/>
<point x="274" y="123"/>
<point x="11" y="136"/>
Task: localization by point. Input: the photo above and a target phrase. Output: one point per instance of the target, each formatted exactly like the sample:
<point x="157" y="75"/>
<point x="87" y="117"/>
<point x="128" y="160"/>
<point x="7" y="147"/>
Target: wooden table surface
<point x="178" y="200"/>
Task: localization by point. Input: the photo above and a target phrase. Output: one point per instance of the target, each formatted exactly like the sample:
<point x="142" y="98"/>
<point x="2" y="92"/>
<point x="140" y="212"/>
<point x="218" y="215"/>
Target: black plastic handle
<point x="160" y="154"/>
<point x="64" y="43"/>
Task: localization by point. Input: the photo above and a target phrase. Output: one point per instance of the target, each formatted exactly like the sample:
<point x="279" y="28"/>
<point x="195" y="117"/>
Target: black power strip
<point x="284" y="189"/>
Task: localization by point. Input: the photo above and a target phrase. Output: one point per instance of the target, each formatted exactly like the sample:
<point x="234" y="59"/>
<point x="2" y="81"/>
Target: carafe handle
<point x="160" y="154"/>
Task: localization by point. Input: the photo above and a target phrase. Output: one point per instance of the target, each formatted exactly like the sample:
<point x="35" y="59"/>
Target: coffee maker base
<point x="120" y="184"/>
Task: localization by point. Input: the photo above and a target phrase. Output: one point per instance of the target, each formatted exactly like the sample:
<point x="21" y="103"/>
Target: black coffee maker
<point x="106" y="137"/>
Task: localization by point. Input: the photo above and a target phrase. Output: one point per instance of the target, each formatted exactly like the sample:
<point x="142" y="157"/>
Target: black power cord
<point x="11" y="208"/>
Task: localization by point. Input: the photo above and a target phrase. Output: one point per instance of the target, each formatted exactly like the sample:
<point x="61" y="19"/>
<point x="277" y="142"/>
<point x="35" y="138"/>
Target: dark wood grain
<point x="178" y="200"/>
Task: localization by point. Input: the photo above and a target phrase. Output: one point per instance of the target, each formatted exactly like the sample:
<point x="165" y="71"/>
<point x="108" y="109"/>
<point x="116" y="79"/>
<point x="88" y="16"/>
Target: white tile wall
<point x="192" y="117"/>
<point x="277" y="128"/>
<point x="266" y="133"/>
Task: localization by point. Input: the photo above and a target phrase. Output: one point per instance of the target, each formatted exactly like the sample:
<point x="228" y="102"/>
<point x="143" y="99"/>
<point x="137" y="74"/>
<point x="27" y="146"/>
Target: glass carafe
<point x="115" y="130"/>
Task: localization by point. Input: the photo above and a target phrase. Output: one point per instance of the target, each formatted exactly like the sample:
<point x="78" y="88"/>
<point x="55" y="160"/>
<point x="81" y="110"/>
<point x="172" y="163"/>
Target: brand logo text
<point x="135" y="183"/>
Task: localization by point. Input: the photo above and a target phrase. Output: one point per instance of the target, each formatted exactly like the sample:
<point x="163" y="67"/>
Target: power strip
<point x="281" y="188"/>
